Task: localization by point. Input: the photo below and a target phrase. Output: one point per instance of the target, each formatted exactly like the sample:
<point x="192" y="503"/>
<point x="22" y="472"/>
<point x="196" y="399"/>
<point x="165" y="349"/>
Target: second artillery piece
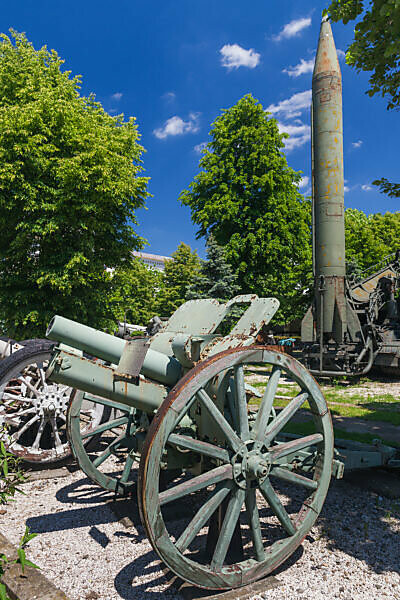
<point x="196" y="408"/>
<point x="352" y="324"/>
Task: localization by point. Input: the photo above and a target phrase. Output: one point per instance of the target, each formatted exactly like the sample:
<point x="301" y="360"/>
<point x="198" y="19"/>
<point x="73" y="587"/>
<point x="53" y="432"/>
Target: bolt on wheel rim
<point x="244" y="471"/>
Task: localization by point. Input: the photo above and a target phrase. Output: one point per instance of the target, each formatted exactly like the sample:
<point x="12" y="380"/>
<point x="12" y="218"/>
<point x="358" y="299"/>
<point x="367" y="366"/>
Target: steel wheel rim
<point x="24" y="389"/>
<point x="149" y="502"/>
<point x="78" y="443"/>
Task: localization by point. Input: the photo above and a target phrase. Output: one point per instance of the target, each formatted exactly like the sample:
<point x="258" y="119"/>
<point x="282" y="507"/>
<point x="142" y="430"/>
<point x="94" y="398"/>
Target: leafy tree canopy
<point x="178" y="275"/>
<point x="369" y="238"/>
<point x="376" y="45"/>
<point x="391" y="189"/>
<point x="134" y="291"/>
<point x="247" y="196"/>
<point x="69" y="187"/>
<point x="216" y="278"/>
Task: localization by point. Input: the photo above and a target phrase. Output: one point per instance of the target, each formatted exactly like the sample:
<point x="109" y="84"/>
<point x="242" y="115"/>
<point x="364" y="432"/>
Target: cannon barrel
<point x="158" y="366"/>
<point x="96" y="379"/>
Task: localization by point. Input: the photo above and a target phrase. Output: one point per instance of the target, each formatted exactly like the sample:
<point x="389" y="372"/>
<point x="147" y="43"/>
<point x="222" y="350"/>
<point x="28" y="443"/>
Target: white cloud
<point x="304" y="182"/>
<point x="341" y="54"/>
<point x="200" y="147"/>
<point x="117" y="96"/>
<point x="346" y="189"/>
<point x="177" y="126"/>
<point x="366" y="188"/>
<point x="234" y="56"/>
<point x="304" y="66"/>
<point x="293" y="28"/>
<point x="169" y="96"/>
<point x="357" y="144"/>
<point x="293" y="106"/>
<point x="299" y="132"/>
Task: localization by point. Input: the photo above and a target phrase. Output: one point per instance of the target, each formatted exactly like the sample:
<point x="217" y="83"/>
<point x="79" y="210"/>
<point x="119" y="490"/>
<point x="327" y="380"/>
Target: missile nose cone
<point x="326" y="59"/>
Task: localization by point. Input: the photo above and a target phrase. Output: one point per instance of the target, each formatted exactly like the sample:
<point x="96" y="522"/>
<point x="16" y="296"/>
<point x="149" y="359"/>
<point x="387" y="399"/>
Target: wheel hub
<point x="51" y="401"/>
<point x="250" y="464"/>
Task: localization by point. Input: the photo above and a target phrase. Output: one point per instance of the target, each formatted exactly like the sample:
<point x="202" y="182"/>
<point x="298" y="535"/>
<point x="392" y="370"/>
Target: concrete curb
<point x="32" y="585"/>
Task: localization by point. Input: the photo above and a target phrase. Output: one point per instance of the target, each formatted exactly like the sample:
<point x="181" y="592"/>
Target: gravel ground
<point x="352" y="554"/>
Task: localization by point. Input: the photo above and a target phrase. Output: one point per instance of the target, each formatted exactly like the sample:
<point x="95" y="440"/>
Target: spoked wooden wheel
<point x="32" y="409"/>
<point x="110" y="467"/>
<point x="265" y="487"/>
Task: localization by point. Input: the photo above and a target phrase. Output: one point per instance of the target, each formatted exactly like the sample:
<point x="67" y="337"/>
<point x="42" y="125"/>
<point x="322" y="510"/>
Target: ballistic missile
<point x="327" y="320"/>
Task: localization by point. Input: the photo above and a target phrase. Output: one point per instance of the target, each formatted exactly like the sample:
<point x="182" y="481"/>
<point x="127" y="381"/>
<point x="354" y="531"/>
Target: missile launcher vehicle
<point x="353" y="323"/>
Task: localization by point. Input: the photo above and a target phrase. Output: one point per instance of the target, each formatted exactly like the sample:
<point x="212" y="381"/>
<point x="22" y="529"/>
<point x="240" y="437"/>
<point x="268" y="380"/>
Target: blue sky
<point x="175" y="64"/>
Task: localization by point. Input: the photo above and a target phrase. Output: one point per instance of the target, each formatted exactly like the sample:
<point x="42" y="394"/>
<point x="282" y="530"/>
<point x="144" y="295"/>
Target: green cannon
<point x="196" y="409"/>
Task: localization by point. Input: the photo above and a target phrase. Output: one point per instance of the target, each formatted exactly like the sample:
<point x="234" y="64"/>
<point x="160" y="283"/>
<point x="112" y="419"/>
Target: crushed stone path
<point x="353" y="552"/>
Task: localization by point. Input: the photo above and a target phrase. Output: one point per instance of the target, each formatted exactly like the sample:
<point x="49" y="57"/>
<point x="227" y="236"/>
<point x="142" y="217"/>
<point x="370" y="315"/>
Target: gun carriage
<point x="183" y="406"/>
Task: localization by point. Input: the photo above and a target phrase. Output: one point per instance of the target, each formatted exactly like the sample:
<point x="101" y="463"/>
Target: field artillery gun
<point x="32" y="409"/>
<point x="185" y="405"/>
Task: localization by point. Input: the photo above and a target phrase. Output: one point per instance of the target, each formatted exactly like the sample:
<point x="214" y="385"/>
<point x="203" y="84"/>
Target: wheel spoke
<point x="39" y="434"/>
<point x="108" y="451"/>
<point x="15" y="436"/>
<point x="283" y="417"/>
<point x="56" y="434"/>
<point x="28" y="384"/>
<point x="254" y="522"/>
<point x="42" y="377"/>
<point x="184" y="411"/>
<point x="199" y="447"/>
<point x="202" y="516"/>
<point x="127" y="468"/>
<point x="277" y="507"/>
<point x="267" y="402"/>
<point x="282" y="450"/>
<point x="231" y="403"/>
<point x="14" y="397"/>
<point x="104" y="427"/>
<point x="241" y="402"/>
<point x="296" y="478"/>
<point x="228" y="526"/>
<point x="196" y="483"/>
<point x="234" y="441"/>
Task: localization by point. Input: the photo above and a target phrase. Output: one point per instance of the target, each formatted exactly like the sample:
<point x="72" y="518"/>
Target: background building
<point x="154" y="261"/>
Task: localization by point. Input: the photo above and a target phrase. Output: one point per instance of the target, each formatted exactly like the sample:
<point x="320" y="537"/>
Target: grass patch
<point x="308" y="428"/>
<point x="358" y="412"/>
<point x="385" y="416"/>
<point x="334" y="396"/>
<point x="283" y="390"/>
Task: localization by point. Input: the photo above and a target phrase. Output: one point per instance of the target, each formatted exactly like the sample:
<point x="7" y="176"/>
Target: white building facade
<point x="152" y="261"/>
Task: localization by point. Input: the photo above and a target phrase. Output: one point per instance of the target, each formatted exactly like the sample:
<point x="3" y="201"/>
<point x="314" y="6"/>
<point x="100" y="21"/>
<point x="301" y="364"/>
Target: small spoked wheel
<point x="109" y="462"/>
<point x="33" y="409"/>
<point x="255" y="479"/>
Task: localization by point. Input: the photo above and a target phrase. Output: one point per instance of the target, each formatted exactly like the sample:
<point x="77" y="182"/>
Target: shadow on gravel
<point x="363" y="526"/>
<point x="144" y="566"/>
<point x="83" y="492"/>
<point x="71" y="519"/>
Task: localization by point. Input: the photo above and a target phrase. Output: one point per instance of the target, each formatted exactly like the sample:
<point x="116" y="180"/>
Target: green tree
<point x="247" y="196"/>
<point x="376" y="44"/>
<point x="369" y="238"/>
<point x="390" y="189"/>
<point x="216" y="278"/>
<point x="178" y="275"/>
<point x="69" y="187"/>
<point x="134" y="293"/>
<point x="375" y="48"/>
